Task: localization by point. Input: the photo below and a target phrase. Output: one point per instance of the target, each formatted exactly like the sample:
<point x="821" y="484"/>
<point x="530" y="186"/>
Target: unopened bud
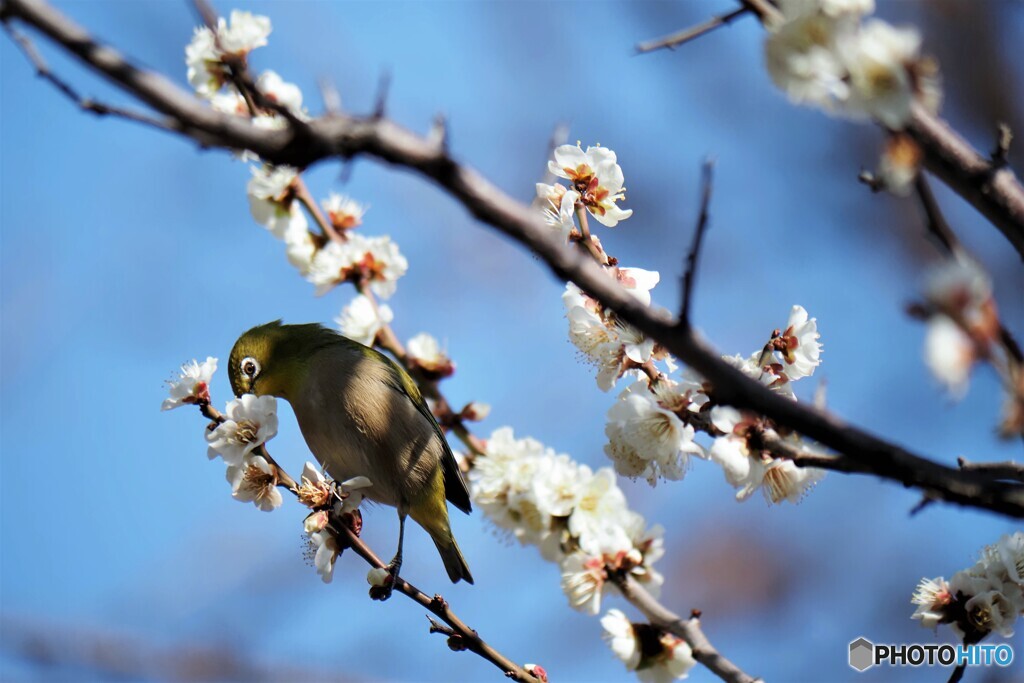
<point x="537" y="671"/>
<point x="476" y="411"/>
<point x="378" y="576"/>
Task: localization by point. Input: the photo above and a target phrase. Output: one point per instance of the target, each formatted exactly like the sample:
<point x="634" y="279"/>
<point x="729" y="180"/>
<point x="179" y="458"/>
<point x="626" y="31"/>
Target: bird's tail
<point x="454" y="562"/>
<point x="432" y="514"/>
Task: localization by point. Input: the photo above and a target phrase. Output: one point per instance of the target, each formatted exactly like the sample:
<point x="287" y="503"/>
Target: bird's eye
<point x="251" y="367"/>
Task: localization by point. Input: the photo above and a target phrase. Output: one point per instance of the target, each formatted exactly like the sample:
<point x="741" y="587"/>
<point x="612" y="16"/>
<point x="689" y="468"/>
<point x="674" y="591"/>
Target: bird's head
<point x="252" y="363"/>
<point x="272" y="359"/>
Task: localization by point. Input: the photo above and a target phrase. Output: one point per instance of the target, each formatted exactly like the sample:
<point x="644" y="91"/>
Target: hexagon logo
<point x="862" y="654"/>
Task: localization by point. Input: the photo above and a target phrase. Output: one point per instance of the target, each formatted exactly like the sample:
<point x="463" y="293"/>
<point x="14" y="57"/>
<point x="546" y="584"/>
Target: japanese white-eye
<point x="361" y="415"/>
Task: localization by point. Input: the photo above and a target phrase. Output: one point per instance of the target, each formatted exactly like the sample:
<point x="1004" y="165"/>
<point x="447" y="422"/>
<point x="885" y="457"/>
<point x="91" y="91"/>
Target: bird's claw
<point x="383" y="592"/>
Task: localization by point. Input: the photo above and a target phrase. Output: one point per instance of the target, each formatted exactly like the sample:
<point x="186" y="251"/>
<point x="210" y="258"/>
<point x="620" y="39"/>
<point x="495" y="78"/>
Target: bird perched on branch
<point x="361" y="415"/>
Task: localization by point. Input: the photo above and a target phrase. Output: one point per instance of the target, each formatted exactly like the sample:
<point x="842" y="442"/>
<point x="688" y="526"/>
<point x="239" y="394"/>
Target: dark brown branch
<point x="468" y="638"/>
<point x="992" y="189"/>
<point x="687" y="629"/>
<point x="1009" y="470"/>
<point x="937" y="225"/>
<point x="1004" y="137"/>
<point x="707" y="178"/>
<point x="346" y="137"/>
<point x="674" y="40"/>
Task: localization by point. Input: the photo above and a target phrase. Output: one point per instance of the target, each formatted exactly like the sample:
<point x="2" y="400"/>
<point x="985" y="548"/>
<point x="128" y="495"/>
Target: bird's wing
<point x="455" y="489"/>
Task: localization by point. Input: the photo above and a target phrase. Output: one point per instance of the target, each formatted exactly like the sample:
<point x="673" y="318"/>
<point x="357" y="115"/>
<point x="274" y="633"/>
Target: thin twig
<point x="707" y="181"/>
<point x="937" y="225"/>
<point x="85" y="103"/>
<point x="674" y="40"/>
<point x="1001" y="153"/>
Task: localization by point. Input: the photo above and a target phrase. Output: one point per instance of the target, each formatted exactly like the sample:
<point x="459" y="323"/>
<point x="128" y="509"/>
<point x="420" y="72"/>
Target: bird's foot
<point x="383" y="590"/>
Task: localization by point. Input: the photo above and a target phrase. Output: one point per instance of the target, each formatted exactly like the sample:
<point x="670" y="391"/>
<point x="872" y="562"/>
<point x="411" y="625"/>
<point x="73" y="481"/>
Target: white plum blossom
<point x="819" y="53"/>
<point x="343" y="212"/>
<point x="204" y="54"/>
<point x="326" y="552"/>
<point x="596" y="175"/>
<point x="741" y="470"/>
<point x="618" y="632"/>
<point x="878" y="58"/>
<point x="799" y="345"/>
<point x="639" y="282"/>
<point x="598" y="520"/>
<point x="352" y="493"/>
<point x="962" y="290"/>
<point x="1008" y="554"/>
<point x="949" y="353"/>
<point x="801" y="58"/>
<point x="983" y="599"/>
<point x="272" y="201"/>
<point x="425" y="352"/>
<point x="504" y="485"/>
<point x="250" y="422"/>
<point x="548" y="500"/>
<point x="281" y="92"/>
<point x="671" y="661"/>
<point x="584" y="581"/>
<point x="255" y="480"/>
<point x="192" y="385"/>
<point x="900" y="164"/>
<point x="771" y="377"/>
<point x="646" y="439"/>
<point x="373" y="260"/>
<point x="748" y="468"/>
<point x="299" y="246"/>
<point x="558" y="206"/>
<point x="361" y="320"/>
<point x="931" y="597"/>
<point x="784" y="480"/>
<point x="230" y="102"/>
<point x="605" y="342"/>
<point x="674" y="663"/>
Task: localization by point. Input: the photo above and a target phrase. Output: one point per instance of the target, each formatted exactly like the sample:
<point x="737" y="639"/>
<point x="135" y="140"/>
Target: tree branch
<point x="687" y="629"/>
<point x="85" y="103"/>
<point x="707" y="178"/>
<point x="674" y="40"/>
<point x="345" y="137"/>
<point x="991" y="187"/>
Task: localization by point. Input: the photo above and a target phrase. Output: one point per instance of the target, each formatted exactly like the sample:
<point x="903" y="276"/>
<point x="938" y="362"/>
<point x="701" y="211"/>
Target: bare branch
<point x="85" y="103"/>
<point x="937" y="225"/>
<point x="345" y="137"/>
<point x="687" y="629"/>
<point x="1009" y="470"/>
<point x="707" y="178"/>
<point x="674" y="40"/>
<point x="993" y="190"/>
<point x="1001" y="154"/>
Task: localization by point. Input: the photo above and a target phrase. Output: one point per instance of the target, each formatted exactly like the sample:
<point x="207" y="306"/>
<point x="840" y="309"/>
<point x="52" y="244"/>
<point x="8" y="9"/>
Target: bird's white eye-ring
<point x="250" y="366"/>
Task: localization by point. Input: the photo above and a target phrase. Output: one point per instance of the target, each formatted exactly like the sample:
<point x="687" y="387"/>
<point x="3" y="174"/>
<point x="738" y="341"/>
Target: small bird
<point x="361" y="415"/>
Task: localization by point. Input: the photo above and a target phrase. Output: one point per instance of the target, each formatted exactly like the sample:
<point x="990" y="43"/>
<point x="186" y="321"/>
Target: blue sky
<point x="124" y="252"/>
